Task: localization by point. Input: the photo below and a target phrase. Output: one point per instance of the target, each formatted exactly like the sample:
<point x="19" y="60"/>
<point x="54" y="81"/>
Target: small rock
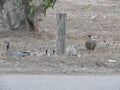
<point x="112" y="61"/>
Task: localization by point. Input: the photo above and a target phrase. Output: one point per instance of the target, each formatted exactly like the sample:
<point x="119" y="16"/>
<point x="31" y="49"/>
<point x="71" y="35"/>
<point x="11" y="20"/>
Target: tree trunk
<point x="38" y="16"/>
<point x="11" y="12"/>
<point x="25" y="13"/>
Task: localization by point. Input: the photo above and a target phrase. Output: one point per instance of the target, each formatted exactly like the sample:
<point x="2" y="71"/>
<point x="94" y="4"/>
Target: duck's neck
<point x="46" y="51"/>
<point x="53" y="52"/>
<point x="7" y="47"/>
<point x="89" y="37"/>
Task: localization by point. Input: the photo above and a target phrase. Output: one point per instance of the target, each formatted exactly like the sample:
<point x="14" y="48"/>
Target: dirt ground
<point x="99" y="17"/>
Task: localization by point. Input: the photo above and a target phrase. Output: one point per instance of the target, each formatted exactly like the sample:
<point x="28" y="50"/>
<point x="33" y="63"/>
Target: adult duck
<point x="90" y="43"/>
<point x="15" y="52"/>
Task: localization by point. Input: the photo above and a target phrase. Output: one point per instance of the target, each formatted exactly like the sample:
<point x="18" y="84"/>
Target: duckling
<point x="15" y="52"/>
<point x="41" y="53"/>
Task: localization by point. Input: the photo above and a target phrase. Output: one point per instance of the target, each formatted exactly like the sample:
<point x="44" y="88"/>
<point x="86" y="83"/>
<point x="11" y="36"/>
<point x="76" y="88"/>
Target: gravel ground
<point x="101" y="18"/>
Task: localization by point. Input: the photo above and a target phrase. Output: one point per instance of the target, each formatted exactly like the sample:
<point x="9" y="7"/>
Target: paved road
<point x="45" y="82"/>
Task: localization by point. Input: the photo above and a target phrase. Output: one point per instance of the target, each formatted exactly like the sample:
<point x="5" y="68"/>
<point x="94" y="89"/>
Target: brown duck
<point x="90" y="44"/>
